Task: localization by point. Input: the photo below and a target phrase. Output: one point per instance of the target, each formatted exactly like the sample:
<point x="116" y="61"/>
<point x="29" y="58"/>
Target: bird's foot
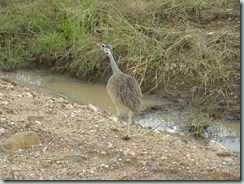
<point x="126" y="137"/>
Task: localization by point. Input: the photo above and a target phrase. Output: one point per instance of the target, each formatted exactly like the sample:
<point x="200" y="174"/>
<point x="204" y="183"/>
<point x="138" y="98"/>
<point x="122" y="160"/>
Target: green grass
<point x="159" y="42"/>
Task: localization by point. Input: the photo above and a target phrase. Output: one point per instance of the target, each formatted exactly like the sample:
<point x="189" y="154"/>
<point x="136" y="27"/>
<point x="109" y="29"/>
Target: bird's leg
<point x="116" y="128"/>
<point x="127" y="135"/>
<point x="119" y="118"/>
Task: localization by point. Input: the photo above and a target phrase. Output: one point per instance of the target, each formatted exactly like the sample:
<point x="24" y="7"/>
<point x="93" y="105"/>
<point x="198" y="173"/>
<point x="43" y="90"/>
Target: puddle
<point x="96" y="94"/>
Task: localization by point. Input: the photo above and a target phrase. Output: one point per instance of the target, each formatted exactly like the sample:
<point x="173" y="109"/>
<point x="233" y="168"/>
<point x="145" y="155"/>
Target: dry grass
<point x="158" y="42"/>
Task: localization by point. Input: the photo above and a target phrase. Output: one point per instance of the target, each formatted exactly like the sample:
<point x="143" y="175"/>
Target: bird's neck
<point x="113" y="63"/>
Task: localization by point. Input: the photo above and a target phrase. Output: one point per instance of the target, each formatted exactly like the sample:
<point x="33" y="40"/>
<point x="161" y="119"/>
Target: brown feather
<point x="125" y="89"/>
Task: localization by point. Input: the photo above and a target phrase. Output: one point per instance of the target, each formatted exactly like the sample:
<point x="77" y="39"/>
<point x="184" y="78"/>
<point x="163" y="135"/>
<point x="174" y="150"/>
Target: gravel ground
<point x="77" y="143"/>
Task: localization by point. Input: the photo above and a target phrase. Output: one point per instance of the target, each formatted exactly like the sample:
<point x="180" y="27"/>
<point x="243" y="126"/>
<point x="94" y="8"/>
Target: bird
<point x="122" y="89"/>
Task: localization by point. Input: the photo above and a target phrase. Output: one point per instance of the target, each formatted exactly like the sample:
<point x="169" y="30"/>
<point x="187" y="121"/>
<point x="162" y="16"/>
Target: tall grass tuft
<point x="161" y="43"/>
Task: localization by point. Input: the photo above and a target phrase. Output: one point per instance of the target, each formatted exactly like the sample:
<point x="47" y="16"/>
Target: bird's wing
<point x="125" y="89"/>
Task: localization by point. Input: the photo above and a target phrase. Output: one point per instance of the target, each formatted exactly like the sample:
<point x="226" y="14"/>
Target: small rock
<point x="1" y="95"/>
<point x="110" y="146"/>
<point x="2" y="131"/>
<point x="112" y="161"/>
<point x="128" y="152"/>
<point x="152" y="168"/>
<point x="20" y="140"/>
<point x="92" y="107"/>
<point x="35" y="118"/>
<point x="3" y="119"/>
<point x="101" y="120"/>
<point x="15" y="168"/>
<point x="69" y="106"/>
<point x="224" y="153"/>
<point x="37" y="122"/>
<point x="228" y="160"/>
<point x="114" y="119"/>
<point x="76" y="159"/>
<point x="103" y="152"/>
<point x="4" y="103"/>
<point x="28" y="94"/>
<point x="73" y="114"/>
<point x="128" y="160"/>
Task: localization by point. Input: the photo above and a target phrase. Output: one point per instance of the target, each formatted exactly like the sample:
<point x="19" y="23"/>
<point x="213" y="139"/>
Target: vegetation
<point x="160" y="42"/>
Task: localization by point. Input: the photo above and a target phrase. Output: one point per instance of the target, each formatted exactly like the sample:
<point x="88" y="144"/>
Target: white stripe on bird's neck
<point x="113" y="63"/>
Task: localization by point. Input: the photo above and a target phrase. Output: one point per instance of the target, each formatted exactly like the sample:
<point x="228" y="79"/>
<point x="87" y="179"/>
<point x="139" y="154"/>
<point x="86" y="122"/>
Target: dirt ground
<point x="77" y="143"/>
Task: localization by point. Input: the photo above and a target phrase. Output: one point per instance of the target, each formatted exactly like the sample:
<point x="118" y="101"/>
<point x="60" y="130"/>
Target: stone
<point x="128" y="152"/>
<point x="2" y="131"/>
<point x="224" y="153"/>
<point x="110" y="145"/>
<point x="103" y="152"/>
<point x="228" y="160"/>
<point x="92" y="107"/>
<point x="152" y="168"/>
<point x="35" y="118"/>
<point x="19" y="140"/>
<point x="76" y="159"/>
<point x="112" y="161"/>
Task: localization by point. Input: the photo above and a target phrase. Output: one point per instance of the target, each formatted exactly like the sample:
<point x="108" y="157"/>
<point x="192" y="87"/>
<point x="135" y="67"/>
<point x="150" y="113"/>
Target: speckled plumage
<point x="122" y="88"/>
<point x="125" y="89"/>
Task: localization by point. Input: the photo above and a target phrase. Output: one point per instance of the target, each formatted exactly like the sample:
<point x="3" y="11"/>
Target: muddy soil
<point x="77" y="143"/>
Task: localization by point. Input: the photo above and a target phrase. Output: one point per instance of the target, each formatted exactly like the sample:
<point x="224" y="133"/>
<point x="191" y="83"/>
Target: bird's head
<point x="106" y="47"/>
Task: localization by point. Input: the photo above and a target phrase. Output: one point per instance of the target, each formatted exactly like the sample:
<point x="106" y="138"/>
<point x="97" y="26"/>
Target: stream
<point x="228" y="132"/>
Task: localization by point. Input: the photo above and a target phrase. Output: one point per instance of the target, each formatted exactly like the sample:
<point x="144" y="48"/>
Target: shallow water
<point x="96" y="94"/>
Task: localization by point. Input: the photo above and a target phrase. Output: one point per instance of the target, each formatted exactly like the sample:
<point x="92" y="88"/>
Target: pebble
<point x="112" y="161"/>
<point x="12" y="123"/>
<point x="101" y="120"/>
<point x="73" y="114"/>
<point x="152" y="168"/>
<point x="103" y="152"/>
<point x="76" y="159"/>
<point x="4" y="103"/>
<point x="128" y="152"/>
<point x="69" y="106"/>
<point x="224" y="153"/>
<point x="92" y="107"/>
<point x="2" y="131"/>
<point x="20" y="140"/>
<point x="35" y="118"/>
<point x="15" y="168"/>
<point x="114" y="119"/>
<point x="228" y="160"/>
<point x="28" y="94"/>
<point x="110" y="146"/>
<point x="2" y="119"/>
